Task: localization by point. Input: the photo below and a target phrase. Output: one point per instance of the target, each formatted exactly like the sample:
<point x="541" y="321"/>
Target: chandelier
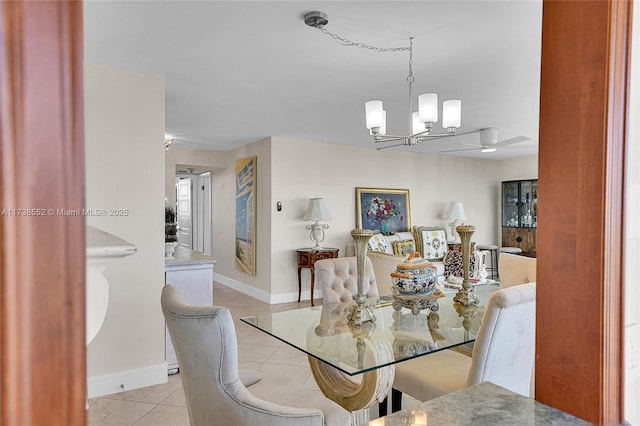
<point x="421" y="122"/>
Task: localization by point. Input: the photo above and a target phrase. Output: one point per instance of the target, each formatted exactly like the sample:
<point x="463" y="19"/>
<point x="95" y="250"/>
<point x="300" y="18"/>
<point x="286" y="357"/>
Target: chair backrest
<point x="504" y="349"/>
<point x="515" y="269"/>
<point x="338" y="281"/>
<point x="204" y="339"/>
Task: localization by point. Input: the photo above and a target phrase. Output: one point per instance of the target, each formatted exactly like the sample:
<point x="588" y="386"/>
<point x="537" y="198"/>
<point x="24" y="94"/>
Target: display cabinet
<point x="520" y="214"/>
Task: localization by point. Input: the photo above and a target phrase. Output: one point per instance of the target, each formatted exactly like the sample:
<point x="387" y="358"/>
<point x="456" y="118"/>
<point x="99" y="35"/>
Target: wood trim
<point x="584" y="81"/>
<point x="42" y="254"/>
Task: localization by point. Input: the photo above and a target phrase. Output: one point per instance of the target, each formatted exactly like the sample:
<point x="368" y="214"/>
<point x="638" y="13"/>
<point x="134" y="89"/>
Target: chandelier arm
<point x="448" y="135"/>
<point x="389" y="138"/>
<point x="423" y="134"/>
<point x="438" y="135"/>
<point x="391" y="146"/>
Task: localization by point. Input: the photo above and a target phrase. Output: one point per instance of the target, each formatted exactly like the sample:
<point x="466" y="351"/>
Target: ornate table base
<point x="356" y="396"/>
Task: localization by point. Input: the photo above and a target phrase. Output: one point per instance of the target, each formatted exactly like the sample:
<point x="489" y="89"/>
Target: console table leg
<point x="312" y="283"/>
<point x="299" y="284"/>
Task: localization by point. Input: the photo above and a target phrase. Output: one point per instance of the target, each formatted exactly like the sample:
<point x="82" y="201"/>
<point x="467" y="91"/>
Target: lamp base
<point x="316" y="233"/>
<point x="455" y="238"/>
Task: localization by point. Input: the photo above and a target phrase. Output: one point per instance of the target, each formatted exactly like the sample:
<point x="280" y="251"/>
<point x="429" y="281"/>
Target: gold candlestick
<point x="361" y="312"/>
<point x="466" y="295"/>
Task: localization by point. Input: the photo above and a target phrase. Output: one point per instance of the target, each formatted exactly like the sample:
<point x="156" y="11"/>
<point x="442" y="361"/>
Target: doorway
<point x="193" y="208"/>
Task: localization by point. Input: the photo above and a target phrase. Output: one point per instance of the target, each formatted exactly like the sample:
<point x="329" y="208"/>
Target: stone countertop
<point x="183" y="256"/>
<point x="481" y="404"/>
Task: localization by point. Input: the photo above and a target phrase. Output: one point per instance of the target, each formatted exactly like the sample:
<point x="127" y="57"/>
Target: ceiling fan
<point x="488" y="141"/>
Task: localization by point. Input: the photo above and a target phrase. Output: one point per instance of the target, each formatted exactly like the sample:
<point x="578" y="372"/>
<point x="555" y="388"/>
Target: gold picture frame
<point x="387" y="210"/>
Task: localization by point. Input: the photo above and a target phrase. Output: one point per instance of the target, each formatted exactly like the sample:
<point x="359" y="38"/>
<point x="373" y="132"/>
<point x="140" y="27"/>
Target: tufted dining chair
<point x="503" y="352"/>
<point x="338" y="280"/>
<point x="204" y="338"/>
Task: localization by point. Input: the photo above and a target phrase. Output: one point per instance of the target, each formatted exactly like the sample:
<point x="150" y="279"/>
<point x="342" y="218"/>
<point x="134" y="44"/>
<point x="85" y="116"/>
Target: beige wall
<point x="519" y="168"/>
<point x="124" y="127"/>
<point x="302" y="170"/>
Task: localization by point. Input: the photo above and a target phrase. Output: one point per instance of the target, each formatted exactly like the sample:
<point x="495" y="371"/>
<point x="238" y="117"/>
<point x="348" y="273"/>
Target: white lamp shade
<point x="428" y="107"/>
<point x="451" y="113"/>
<point x="317" y="210"/>
<point x="416" y="125"/>
<point x="383" y="128"/>
<point x="374" y="114"/>
<point x="456" y="211"/>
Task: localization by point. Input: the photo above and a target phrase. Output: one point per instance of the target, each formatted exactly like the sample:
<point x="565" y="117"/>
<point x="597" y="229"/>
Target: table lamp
<point x="317" y="210"/>
<point x="456" y="212"/>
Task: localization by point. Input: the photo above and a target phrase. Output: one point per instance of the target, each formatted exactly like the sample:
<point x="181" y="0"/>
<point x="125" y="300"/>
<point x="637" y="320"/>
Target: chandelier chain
<point x="410" y="77"/>
<point x="346" y="42"/>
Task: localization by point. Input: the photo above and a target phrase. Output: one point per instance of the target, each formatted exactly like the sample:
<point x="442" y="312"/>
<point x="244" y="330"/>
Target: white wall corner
<point x="127" y="380"/>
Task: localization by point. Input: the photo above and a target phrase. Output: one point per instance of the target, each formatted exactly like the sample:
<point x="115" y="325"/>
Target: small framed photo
<point x="386" y="210"/>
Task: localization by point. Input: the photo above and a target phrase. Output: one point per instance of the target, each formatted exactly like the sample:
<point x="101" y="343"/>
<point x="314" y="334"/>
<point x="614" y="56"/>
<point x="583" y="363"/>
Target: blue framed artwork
<point x="386" y="210"/>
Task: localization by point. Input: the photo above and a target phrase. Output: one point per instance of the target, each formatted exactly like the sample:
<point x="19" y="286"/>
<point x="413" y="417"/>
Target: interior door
<point x="183" y="187"/>
<point x="204" y="214"/>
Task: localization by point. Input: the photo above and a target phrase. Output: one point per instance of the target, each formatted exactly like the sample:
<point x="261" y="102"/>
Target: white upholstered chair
<point x="516" y="269"/>
<point x="503" y="352"/>
<point x="337" y="279"/>
<point x="205" y="342"/>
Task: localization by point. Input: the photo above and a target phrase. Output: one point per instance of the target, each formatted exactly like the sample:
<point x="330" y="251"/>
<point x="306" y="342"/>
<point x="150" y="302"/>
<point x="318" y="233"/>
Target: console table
<point x="307" y="258"/>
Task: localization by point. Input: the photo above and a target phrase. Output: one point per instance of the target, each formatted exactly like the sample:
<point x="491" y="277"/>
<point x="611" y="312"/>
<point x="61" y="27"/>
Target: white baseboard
<point x="127" y="380"/>
<point x="261" y="295"/>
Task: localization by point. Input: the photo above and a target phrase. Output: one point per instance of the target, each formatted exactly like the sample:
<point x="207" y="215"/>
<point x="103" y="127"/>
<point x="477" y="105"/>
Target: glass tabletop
<point x="323" y="332"/>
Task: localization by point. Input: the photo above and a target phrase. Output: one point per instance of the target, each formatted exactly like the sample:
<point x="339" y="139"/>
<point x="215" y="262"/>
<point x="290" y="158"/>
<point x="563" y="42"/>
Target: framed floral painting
<point x="386" y="210"/>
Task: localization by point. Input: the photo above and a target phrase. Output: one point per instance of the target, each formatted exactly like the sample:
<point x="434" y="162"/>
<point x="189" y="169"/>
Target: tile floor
<point x="165" y="405"/>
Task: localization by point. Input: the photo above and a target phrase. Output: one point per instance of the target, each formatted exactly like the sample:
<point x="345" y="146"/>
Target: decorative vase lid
<point x="414" y="261"/>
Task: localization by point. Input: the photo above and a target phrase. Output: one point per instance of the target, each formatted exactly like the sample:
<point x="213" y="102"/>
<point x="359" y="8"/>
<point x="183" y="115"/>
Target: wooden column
<point x="42" y="253"/>
<point x="585" y="49"/>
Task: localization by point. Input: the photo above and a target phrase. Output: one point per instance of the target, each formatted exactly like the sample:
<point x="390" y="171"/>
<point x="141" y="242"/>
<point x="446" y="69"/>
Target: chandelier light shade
<point x="383" y="128"/>
<point x="317" y="210"/>
<point x="375" y="115"/>
<point x="451" y="113"/>
<point x="456" y="213"/>
<point x="428" y="108"/>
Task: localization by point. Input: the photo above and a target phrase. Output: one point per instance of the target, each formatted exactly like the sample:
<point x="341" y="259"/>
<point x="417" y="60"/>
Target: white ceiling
<point x="239" y="71"/>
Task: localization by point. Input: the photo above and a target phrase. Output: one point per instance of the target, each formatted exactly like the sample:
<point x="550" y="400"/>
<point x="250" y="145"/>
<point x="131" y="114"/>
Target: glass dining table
<point x="354" y="366"/>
